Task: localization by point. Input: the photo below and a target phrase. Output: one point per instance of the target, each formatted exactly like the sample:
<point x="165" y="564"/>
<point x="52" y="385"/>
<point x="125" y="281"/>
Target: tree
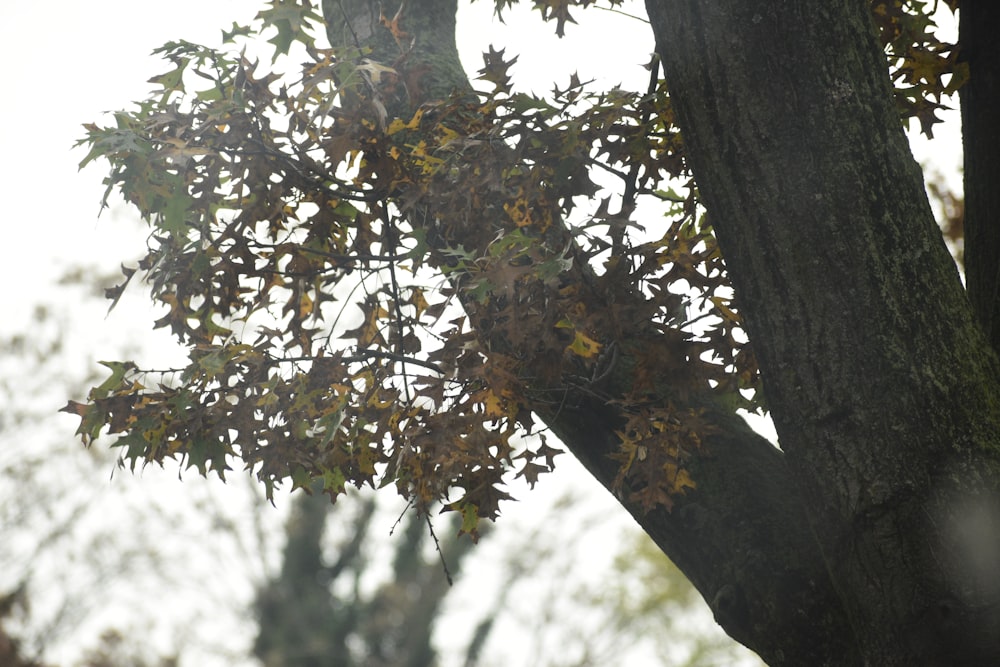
<point x="303" y="622"/>
<point x="10" y="647"/>
<point x="773" y="141"/>
<point x="81" y="560"/>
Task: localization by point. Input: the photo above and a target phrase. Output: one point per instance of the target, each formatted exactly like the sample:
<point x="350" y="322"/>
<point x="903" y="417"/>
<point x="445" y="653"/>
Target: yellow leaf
<point x="724" y="310"/>
<point x="678" y="479"/>
<point x="584" y="346"/>
<point x="305" y="305"/>
<point x="418" y="301"/>
<point x="446" y="135"/>
<point x="493" y="406"/>
<point x="398" y="124"/>
<point x="519" y="212"/>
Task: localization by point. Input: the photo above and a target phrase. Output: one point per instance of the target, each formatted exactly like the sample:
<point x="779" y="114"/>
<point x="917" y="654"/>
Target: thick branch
<point x="741" y="536"/>
<point x="881" y="387"/>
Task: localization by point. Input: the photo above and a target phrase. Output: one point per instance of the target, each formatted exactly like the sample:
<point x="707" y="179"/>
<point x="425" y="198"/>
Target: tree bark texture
<point x="980" y="99"/>
<point x="849" y="546"/>
<point x="881" y="386"/>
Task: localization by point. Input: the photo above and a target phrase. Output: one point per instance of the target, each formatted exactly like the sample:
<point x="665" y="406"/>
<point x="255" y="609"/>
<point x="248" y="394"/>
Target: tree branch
<point x="741" y="536"/>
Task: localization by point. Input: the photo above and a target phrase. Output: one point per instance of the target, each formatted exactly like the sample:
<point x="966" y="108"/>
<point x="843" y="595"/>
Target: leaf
<point x="92" y="419"/>
<point x="118" y="371"/>
<point x="721" y="305"/>
<point x="557" y="10"/>
<point x="392" y="24"/>
<point x="172" y="81"/>
<point x="301" y="479"/>
<point x="418" y="301"/>
<point x="328" y="425"/>
<point x="495" y="68"/>
<point x="173" y="215"/>
<point x="493" y="405"/>
<point x="229" y="36"/>
<point x="333" y="482"/>
<point x="115" y="293"/>
<point x="290" y="19"/>
<point x="530" y="472"/>
<point x="584" y="346"/>
<point x="213" y="363"/>
<point x="470" y="518"/>
<point x="678" y="479"/>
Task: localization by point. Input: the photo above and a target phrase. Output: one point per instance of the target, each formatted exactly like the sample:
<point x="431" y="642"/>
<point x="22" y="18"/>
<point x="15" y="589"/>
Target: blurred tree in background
<point x="316" y="613"/>
<point x="82" y="539"/>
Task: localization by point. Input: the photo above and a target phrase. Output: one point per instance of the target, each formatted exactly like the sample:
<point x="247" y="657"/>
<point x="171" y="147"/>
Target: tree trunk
<point x="979" y="34"/>
<point x="881" y="387"/>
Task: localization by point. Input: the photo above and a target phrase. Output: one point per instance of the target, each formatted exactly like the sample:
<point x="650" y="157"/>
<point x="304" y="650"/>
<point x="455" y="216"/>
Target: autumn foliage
<point x="378" y="287"/>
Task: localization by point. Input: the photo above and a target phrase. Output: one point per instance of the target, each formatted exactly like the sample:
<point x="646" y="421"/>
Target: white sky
<point x="69" y="61"/>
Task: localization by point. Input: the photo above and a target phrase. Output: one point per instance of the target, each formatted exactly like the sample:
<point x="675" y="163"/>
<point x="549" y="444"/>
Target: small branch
<point x="631" y="182"/>
<point x="611" y="10"/>
<point x="365" y="355"/>
<point x="350" y="27"/>
<point x="437" y="547"/>
<point x="391" y="236"/>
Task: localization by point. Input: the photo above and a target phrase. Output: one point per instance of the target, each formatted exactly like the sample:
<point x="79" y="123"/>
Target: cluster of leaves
<point x="291" y="253"/>
<point x="922" y="66"/>
<point x="378" y="300"/>
<point x="555" y="10"/>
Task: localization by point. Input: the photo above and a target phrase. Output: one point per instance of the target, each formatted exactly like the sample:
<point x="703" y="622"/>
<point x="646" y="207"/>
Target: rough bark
<point x="881" y="386"/>
<point x="980" y="98"/>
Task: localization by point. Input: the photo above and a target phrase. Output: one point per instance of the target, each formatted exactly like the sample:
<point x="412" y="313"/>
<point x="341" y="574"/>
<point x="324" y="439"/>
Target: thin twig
<point x="391" y="234"/>
<point x="437" y="546"/>
<point x="631" y="182"/>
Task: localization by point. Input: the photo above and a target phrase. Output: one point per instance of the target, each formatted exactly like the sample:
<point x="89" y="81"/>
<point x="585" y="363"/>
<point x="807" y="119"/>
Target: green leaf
<point x="229" y="36"/>
<point x="92" y="419"/>
<point x="301" y="479"/>
<point x="328" y="425"/>
<point x="115" y="293"/>
<point x="290" y="19"/>
<point x="173" y="216"/>
<point x="470" y="517"/>
<point x="118" y="371"/>
<point x="174" y="79"/>
<point x="214" y="362"/>
<point x="333" y="481"/>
